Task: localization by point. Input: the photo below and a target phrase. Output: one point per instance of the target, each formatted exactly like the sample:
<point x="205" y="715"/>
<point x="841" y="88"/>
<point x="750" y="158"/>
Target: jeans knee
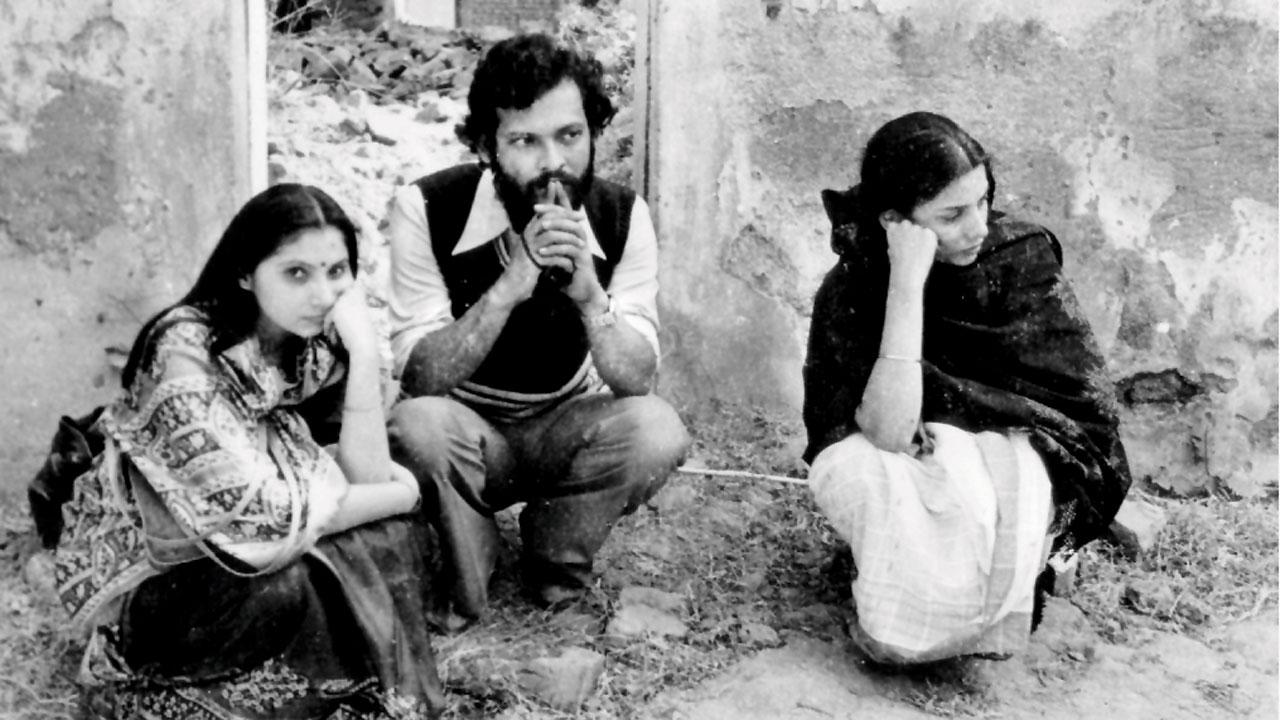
<point x="657" y="436"/>
<point x="421" y="430"/>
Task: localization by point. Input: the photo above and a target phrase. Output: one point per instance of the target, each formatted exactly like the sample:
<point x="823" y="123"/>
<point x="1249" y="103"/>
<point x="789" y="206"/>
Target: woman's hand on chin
<point x="912" y="249"/>
<point x="351" y="320"/>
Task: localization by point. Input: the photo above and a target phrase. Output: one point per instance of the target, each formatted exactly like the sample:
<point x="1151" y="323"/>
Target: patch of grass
<point x="955" y="688"/>
<point x="1212" y="564"/>
<point x="37" y="660"/>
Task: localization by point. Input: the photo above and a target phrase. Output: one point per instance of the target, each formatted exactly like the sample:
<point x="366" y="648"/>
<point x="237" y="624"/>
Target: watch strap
<point x="608" y="318"/>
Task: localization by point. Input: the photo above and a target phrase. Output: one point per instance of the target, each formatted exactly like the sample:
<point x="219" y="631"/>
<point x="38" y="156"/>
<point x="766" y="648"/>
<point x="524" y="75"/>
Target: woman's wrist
<point x="414" y="503"/>
<point x="364" y="385"/>
<point x="362" y="357"/>
<point x="903" y="283"/>
<point x="400" y="475"/>
<point x="361" y="407"/>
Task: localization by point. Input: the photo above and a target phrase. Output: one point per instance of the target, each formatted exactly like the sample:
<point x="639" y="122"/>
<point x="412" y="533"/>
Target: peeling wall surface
<point x="1142" y="132"/>
<point x="123" y="151"/>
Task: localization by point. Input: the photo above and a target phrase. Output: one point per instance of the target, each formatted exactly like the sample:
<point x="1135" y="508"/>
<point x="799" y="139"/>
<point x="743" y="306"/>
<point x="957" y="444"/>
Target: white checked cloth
<point x="947" y="546"/>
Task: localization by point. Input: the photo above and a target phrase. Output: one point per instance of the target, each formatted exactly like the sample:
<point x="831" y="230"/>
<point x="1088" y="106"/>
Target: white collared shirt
<point x="419" y="300"/>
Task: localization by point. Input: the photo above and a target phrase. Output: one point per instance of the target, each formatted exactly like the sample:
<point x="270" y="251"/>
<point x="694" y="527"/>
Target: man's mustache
<point x="543" y="181"/>
<point x="539" y="189"/>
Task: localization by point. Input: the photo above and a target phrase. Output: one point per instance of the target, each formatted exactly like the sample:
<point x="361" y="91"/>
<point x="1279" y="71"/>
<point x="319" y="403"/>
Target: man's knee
<point x="656" y="441"/>
<point x="656" y="436"/>
<point x="424" y="431"/>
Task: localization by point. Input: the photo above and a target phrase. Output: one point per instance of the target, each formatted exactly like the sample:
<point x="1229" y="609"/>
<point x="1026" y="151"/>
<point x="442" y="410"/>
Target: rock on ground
<point x="654" y="598"/>
<point x="566" y="681"/>
<point x="1137" y="525"/>
<point x="755" y="633"/>
<point x="646" y="611"/>
<point x="641" y="620"/>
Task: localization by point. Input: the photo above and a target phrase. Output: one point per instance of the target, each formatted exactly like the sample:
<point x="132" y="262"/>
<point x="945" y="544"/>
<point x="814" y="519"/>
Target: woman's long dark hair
<point x="908" y="161"/>
<point x="258" y="230"/>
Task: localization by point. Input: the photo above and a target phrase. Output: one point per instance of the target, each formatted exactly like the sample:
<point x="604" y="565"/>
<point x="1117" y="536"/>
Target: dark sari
<point x="340" y="633"/>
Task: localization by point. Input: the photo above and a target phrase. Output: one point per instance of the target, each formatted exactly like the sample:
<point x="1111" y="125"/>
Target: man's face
<point x="549" y="139"/>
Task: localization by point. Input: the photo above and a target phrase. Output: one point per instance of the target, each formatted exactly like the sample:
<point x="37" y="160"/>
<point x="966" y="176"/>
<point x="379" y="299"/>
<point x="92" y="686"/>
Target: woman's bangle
<point x="901" y="358"/>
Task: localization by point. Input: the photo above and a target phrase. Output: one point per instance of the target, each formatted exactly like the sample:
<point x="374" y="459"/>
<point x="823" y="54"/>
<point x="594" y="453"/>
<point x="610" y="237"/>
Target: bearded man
<point x="525" y="331"/>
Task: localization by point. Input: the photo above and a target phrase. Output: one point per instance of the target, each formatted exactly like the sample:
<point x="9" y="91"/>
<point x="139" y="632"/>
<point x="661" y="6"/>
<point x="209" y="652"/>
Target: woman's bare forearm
<point x="362" y="453"/>
<point x="366" y="503"/>
<point x="890" y="409"/>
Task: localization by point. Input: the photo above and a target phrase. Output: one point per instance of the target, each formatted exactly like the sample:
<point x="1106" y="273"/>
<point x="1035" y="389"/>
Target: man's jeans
<point x="579" y="467"/>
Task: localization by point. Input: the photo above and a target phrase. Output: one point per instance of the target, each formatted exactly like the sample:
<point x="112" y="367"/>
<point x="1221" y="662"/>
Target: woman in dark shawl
<point x="962" y="430"/>
<point x="221" y="563"/>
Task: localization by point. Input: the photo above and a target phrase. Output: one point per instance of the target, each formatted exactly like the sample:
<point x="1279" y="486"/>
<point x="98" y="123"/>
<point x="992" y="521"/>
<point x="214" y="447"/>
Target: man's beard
<point x="519" y="199"/>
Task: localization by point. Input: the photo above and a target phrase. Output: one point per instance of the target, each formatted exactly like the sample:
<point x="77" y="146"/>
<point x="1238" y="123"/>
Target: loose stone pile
<point x="395" y="62"/>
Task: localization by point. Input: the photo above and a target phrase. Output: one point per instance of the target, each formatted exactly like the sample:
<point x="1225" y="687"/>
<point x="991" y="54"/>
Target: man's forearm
<point x="444" y="358"/>
<point x="623" y="357"/>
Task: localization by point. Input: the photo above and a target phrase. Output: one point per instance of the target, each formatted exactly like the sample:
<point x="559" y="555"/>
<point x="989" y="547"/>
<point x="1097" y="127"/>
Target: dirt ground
<point x="751" y="565"/>
<point x="1189" y="630"/>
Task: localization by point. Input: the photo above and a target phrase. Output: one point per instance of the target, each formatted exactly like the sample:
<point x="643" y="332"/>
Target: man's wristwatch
<point x="608" y="318"/>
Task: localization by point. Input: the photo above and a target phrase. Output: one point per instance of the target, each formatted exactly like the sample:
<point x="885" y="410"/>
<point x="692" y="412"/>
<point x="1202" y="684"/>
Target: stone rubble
<point x="394" y="63"/>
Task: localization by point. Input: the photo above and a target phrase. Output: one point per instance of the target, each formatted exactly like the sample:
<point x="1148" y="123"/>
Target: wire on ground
<point x="742" y="474"/>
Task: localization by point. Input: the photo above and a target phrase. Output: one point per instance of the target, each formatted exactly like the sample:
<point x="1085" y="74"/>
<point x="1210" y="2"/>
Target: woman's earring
<point x="244" y="282"/>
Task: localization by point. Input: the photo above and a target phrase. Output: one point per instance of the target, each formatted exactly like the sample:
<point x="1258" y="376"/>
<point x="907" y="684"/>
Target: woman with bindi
<point x="220" y="561"/>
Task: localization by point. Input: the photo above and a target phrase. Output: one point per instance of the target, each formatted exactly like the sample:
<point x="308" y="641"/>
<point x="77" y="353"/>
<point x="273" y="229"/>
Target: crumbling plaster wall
<point x="125" y="145"/>
<point x="1142" y="132"/>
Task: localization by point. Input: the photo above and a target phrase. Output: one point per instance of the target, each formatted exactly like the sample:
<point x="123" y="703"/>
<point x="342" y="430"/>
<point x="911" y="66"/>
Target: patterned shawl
<point x="204" y="456"/>
<point x="1005" y="346"/>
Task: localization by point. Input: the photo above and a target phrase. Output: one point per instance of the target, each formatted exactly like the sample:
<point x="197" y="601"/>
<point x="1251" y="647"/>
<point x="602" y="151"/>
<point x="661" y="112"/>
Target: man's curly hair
<point x="518" y="71"/>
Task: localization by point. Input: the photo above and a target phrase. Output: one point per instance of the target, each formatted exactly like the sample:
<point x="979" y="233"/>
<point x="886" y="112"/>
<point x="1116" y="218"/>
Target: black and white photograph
<point x="640" y="359"/>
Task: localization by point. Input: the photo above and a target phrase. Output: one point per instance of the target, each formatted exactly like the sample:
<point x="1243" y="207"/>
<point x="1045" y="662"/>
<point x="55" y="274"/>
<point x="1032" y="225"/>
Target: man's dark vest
<point x="544" y="342"/>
